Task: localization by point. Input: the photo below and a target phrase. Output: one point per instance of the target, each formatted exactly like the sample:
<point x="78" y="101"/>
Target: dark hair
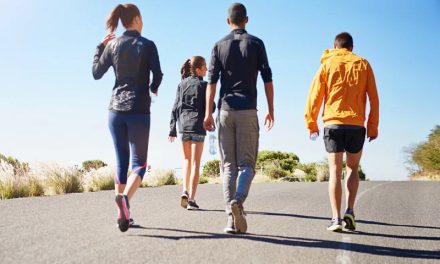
<point x="237" y="13"/>
<point x="125" y="12"/>
<point x="190" y="66"/>
<point x="344" y="40"/>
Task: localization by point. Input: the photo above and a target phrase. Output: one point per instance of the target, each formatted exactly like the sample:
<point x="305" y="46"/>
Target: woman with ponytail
<point x="188" y="112"/>
<point x="132" y="57"/>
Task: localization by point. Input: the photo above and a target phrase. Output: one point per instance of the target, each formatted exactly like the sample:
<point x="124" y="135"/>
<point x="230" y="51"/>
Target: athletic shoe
<point x="192" y="205"/>
<point x="230" y="228"/>
<point x="350" y="223"/>
<point x="124" y="212"/>
<point x="184" y="199"/>
<point x="335" y="225"/>
<point x="238" y="215"/>
<point x="130" y="222"/>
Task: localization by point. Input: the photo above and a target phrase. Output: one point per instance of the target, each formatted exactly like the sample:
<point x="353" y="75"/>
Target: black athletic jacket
<point x="236" y="59"/>
<point x="132" y="57"/>
<point x="189" y="107"/>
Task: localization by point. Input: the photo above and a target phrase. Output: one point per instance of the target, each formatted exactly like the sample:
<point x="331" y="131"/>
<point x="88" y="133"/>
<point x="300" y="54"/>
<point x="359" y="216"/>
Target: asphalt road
<point x="398" y="222"/>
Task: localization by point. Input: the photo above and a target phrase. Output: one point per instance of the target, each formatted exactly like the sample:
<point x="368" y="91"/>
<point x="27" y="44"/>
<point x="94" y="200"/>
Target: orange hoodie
<point x="343" y="81"/>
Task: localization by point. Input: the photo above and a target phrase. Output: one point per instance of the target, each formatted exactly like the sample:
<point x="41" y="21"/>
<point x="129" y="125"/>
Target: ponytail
<point x="185" y="71"/>
<point x="190" y="66"/>
<point x="126" y="13"/>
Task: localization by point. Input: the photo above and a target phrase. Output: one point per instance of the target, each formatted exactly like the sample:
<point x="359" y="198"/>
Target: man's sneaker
<point x="335" y="225"/>
<point x="192" y="205"/>
<point x="238" y="215"/>
<point x="230" y="228"/>
<point x="350" y="223"/>
<point x="123" y="212"/>
<point x="184" y="199"/>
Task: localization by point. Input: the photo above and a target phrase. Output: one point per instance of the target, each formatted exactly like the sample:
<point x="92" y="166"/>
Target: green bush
<point x="285" y="161"/>
<point x="274" y="172"/>
<point x="203" y="180"/>
<point x="20" y="168"/>
<point x="211" y="169"/>
<point x="427" y="154"/>
<point x="92" y="164"/>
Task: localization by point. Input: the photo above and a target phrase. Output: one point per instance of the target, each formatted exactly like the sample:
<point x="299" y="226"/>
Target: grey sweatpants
<point x="238" y="134"/>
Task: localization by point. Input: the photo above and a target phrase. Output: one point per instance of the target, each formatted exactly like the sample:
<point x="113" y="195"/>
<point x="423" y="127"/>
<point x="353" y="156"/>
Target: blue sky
<point x="52" y="109"/>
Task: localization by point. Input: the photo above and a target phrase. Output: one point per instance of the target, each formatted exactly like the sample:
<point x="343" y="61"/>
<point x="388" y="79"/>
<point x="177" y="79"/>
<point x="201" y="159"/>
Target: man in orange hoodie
<point x="343" y="82"/>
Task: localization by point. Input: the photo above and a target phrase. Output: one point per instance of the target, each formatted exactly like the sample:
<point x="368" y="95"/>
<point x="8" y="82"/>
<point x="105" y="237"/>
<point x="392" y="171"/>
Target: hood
<point x="329" y="53"/>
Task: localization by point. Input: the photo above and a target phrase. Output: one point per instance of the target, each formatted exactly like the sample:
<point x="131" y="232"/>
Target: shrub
<point x="285" y="161"/>
<point x="211" y="169"/>
<point x="14" y="184"/>
<point x="20" y="168"/>
<point x="99" y="179"/>
<point x="203" y="180"/>
<point x="273" y="171"/>
<point x="160" y="178"/>
<point x="92" y="164"/>
<point x="61" y="180"/>
<point x="426" y="156"/>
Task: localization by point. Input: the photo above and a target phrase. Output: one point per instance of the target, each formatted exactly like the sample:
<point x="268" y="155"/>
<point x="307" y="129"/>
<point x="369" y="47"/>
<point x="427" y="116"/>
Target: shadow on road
<point x="298" y="242"/>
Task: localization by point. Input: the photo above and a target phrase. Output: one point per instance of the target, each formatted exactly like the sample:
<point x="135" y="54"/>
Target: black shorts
<point x="339" y="138"/>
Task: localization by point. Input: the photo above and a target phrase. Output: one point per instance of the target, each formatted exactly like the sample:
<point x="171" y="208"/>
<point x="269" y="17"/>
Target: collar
<point x="132" y="33"/>
<point x="239" y="31"/>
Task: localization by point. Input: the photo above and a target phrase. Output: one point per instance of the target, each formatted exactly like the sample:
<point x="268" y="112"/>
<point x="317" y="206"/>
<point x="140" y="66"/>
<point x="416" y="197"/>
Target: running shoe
<point x="335" y="225"/>
<point x="239" y="217"/>
<point x="184" y="199"/>
<point x="350" y="223"/>
<point x="123" y="213"/>
<point x="192" y="205"/>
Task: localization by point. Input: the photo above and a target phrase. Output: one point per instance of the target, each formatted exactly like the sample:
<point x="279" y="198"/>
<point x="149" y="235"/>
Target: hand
<point x="107" y="38"/>
<point x="171" y="139"/>
<point x="312" y="132"/>
<point x="371" y="139"/>
<point x="268" y="121"/>
<point x="155" y="94"/>
<point x="209" y="123"/>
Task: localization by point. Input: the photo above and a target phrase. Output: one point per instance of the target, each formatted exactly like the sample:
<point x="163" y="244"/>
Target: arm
<point x="314" y="101"/>
<point x="102" y="59"/>
<point x="270" y="118"/>
<point x="373" y="117"/>
<point x="208" y="123"/>
<point x="155" y="69"/>
<point x="214" y="75"/>
<point x="175" y="115"/>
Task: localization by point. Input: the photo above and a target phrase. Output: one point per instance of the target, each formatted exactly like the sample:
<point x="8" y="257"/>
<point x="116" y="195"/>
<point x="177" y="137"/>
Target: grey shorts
<point x="193" y="137"/>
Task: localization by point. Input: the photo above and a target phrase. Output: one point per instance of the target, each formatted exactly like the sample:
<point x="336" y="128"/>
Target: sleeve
<point x="314" y="100"/>
<point x="175" y="114"/>
<point x="155" y="69"/>
<point x="373" y="117"/>
<point x="214" y="66"/>
<point x="263" y="65"/>
<point x="101" y="61"/>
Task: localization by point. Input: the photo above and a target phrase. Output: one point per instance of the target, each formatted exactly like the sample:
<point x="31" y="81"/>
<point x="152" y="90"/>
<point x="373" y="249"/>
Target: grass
<point x="160" y="177"/>
<point x="14" y="184"/>
<point x="60" y="180"/>
<point x="99" y="179"/>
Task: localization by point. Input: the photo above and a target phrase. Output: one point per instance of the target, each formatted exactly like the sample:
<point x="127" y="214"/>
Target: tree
<point x="93" y="164"/>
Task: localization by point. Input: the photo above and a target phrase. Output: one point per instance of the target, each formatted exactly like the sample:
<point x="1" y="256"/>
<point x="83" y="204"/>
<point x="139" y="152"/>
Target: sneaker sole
<point x="230" y="231"/>
<point x="350" y="224"/>
<point x="192" y="208"/>
<point x="239" y="220"/>
<point x="184" y="201"/>
<point x="337" y="228"/>
<point x="123" y="222"/>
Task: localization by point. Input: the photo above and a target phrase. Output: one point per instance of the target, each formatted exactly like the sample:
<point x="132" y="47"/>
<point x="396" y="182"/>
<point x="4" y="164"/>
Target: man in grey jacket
<point x="236" y="60"/>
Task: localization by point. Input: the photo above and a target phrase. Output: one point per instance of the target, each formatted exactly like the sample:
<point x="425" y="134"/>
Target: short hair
<point x="344" y="40"/>
<point x="237" y="13"/>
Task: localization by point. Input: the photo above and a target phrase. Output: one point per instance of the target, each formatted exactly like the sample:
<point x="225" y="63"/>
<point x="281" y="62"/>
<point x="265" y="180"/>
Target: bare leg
<point x="186" y="164"/>
<point x="352" y="181"/>
<point x="196" y="155"/>
<point x="133" y="183"/>
<point x="335" y="185"/>
<point x="119" y="188"/>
